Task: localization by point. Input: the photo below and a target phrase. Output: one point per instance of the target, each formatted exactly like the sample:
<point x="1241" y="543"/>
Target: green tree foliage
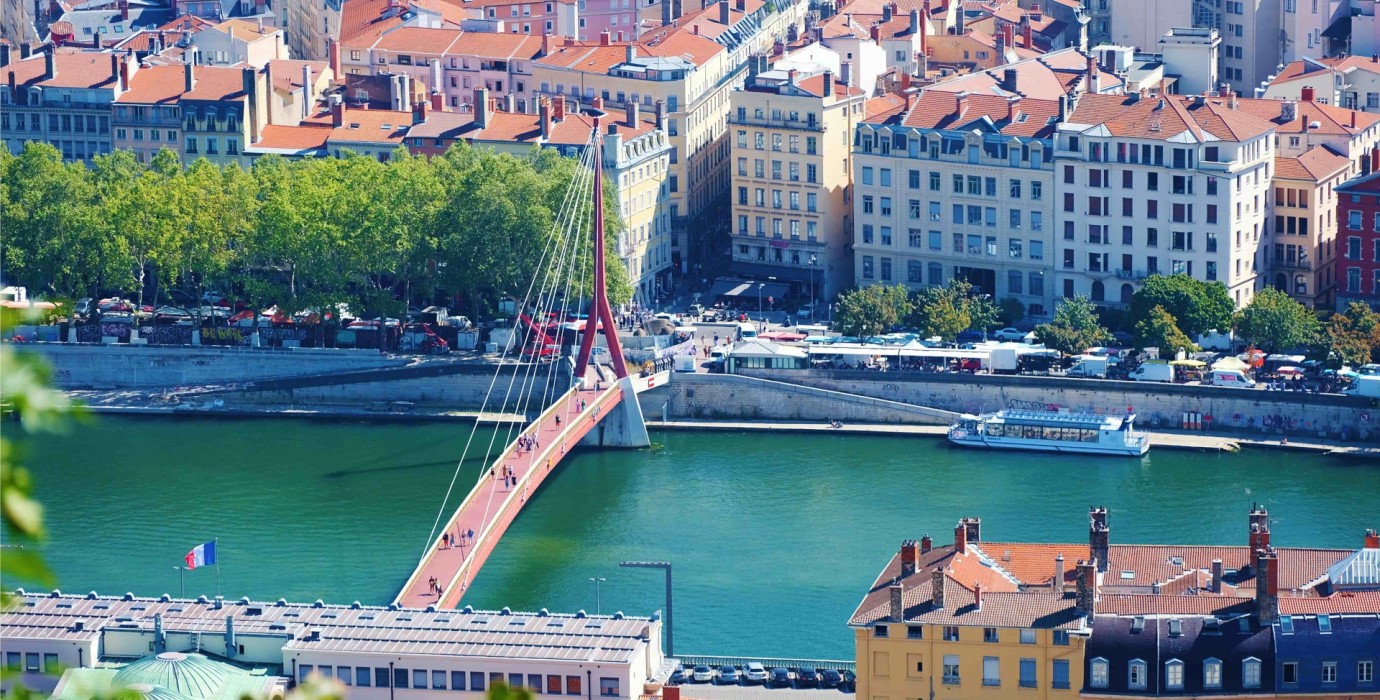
<point x="1274" y="321"/>
<point x="951" y="309"/>
<point x="1010" y="311"/>
<point x="1159" y="330"/>
<point x="1074" y="328"/>
<point x="1197" y="306"/>
<point x="1353" y="336"/>
<point x="868" y="311"/>
<point x="308" y="234"/>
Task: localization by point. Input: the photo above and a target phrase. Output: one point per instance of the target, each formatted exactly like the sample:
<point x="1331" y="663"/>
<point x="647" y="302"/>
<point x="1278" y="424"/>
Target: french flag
<point x="202" y="555"/>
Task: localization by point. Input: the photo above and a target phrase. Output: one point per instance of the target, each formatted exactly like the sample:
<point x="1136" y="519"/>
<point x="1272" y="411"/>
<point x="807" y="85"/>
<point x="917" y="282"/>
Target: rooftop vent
<point x="467" y="609"/>
<point x="202" y="599"/>
<point x="356" y="605"/>
<point x="505" y="611"/>
<point x="91" y="596"/>
<point x="580" y="615"/>
<point x="244" y="600"/>
<point x="318" y="603"/>
<point x="281" y="602"/>
<point x="165" y="598"/>
<point x="543" y="613"/>
<point x="618" y="615"/>
<point x="55" y="594"/>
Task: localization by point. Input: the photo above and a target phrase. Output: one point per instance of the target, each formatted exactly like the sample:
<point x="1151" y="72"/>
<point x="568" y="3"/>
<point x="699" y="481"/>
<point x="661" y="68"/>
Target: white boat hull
<point x="1087" y="448"/>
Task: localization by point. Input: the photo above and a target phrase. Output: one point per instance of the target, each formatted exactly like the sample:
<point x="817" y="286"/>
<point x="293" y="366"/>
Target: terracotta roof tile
<point x="165" y="85"/>
<point x="1344" y="602"/>
<point x="372" y="126"/>
<point x="187" y="23"/>
<point x="293" y="138"/>
<point x="1318" y="164"/>
<point x="74" y="69"/>
<point x="419" y="40"/>
<point x="1166" y="117"/>
<point x="883" y="108"/>
<point x="1128" y="604"/>
<point x="498" y="45"/>
<point x="244" y="29"/>
<point x="815" y="86"/>
<point x="286" y="74"/>
<point x="1330" y="119"/>
<point x="1312" y="66"/>
<point x="944" y="110"/>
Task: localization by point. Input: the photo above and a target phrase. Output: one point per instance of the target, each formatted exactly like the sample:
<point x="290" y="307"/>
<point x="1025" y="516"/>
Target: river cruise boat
<point x="1051" y="431"/>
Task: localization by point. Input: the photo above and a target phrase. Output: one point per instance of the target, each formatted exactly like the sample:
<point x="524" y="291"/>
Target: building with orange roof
<point x="61" y="96"/>
<point x="959" y="183"/>
<point x="1349" y="81"/>
<point x="790" y="180"/>
<point x="239" y="41"/>
<point x="210" y="112"/>
<point x="450" y="61"/>
<point x="295" y="87"/>
<point x="1100" y="619"/>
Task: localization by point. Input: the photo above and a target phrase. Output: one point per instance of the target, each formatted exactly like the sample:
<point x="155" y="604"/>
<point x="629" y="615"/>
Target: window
<point x="991" y="671"/>
<point x="989" y="634"/>
<point x="1286" y="624"/>
<point x="1027" y="636"/>
<point x="477" y="680"/>
<point x="879" y="631"/>
<point x="950" y="633"/>
<point x="951" y="669"/>
<point x="572" y="685"/>
<point x="608" y="687"/>
<point x="1174" y="674"/>
<point x="1037" y="190"/>
<point x="1324" y="624"/>
<point x="867" y="263"/>
<point x="1061" y="674"/>
<point x="50" y="664"/>
<point x="1028" y="673"/>
<point x="915" y="631"/>
<point x="399" y="678"/>
<point x="438" y="680"/>
<point x="1353" y="218"/>
<point x="1365" y="671"/>
<point x="1250" y="673"/>
<point x="1291" y="672"/>
<point x="1061" y="638"/>
<point x="418" y="678"/>
<point x="1329" y="672"/>
<point x="1135" y="675"/>
<point x="866" y="175"/>
<point x="303" y="670"/>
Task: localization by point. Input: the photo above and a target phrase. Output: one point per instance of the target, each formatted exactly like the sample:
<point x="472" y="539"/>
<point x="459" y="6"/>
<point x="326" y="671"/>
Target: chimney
<point x="605" y="39"/>
<point x="914" y="21"/>
<point x="1372" y="540"/>
<point x="1013" y="108"/>
<point x="124" y="10"/>
<point x="910" y="557"/>
<point x="231" y="646"/>
<point x="508" y="102"/>
<point x="829" y="84"/>
<point x="482" y="108"/>
<point x="1008" y="79"/>
<point x="333" y="57"/>
<point x="4" y="54"/>
<point x="790" y="77"/>
<point x="419" y="111"/>
<point x="1099" y="537"/>
<point x="1307" y="94"/>
<point x="960" y="538"/>
<point x="1289" y="110"/>
<point x="926" y="544"/>
<point x="875" y="31"/>
<point x="249" y="82"/>
<point x="1085" y="595"/>
<point x="50" y="63"/>
<point x="306" y="90"/>
<point x="846" y="73"/>
<point x="1258" y="536"/>
<point x="633" y="112"/>
<point x="597" y="103"/>
<point x="544" y="116"/>
<point x="1028" y="32"/>
<point x="660" y="114"/>
<point x="937" y="587"/>
<point x="676" y="9"/>
<point x="1001" y="46"/>
<point x="922" y="28"/>
<point x="558" y="110"/>
<point x="665" y="13"/>
<point x="1094" y="80"/>
<point x="115" y="70"/>
<point x="337" y="111"/>
<point x="438" y="102"/>
<point x="974" y="528"/>
<point x="188" y="77"/>
<point x="724" y="7"/>
<point x="898" y="607"/>
<point x="1035" y="14"/>
<point x="1267" y="585"/>
<point x="741" y="6"/>
<point x="960" y="102"/>
<point x="629" y="53"/>
<point x="695" y="30"/>
<point x="977" y="596"/>
<point x="1217" y="576"/>
<point x="1058" y="580"/>
<point x="25" y="50"/>
<point x="886" y="12"/>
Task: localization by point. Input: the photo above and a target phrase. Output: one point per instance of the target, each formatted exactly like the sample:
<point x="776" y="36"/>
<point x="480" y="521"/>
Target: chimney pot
<point x="977" y="596"/>
<point x="188" y="77"/>
<point x="544" y="116"/>
<point x="875" y="31"/>
<point x="937" y="588"/>
<point x="910" y="557"/>
<point x="558" y="110"/>
<point x="482" y="108"/>
<point x="1099" y="537"/>
<point x="50" y="63"/>
<point x="1307" y="93"/>
<point x="961" y="538"/>
<point x="898" y="607"/>
<point x="605" y="38"/>
<point x="1372" y="540"/>
<point x="1217" y="576"/>
<point x="926" y="544"/>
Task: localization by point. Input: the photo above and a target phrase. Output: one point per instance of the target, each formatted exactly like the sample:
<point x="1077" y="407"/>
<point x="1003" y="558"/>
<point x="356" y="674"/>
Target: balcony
<point x="1293" y="264"/>
<point x="1132" y="274"/>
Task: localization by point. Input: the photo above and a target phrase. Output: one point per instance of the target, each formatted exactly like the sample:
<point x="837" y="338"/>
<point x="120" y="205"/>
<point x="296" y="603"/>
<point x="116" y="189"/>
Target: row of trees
<point x="470" y="225"/>
<point x="1168" y="312"/>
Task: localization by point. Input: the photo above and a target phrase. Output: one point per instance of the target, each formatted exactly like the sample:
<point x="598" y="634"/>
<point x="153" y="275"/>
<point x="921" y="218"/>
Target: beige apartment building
<point x="308" y="24"/>
<point x="791" y="178"/>
<point x="1303" y="252"/>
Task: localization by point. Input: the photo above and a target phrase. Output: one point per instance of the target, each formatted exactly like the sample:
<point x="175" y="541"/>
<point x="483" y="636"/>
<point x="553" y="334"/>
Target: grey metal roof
<point x="363" y="628"/>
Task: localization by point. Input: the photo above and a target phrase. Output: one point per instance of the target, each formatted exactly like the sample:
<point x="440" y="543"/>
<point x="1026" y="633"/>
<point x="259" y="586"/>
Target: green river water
<point x="774" y="538"/>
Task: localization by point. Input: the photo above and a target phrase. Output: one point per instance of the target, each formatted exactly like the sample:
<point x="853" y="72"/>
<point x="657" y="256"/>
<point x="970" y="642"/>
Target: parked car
<point x="86" y="305"/>
<point x="969" y="336"/>
<point x="830" y="678"/>
<point x="702" y="674"/>
<point x="806" y="311"/>
<point x="807" y="678"/>
<point x="697" y="310"/>
<point x="1014" y="335"/>
<point x="754" y="674"/>
<point x="678" y="675"/>
<point x="780" y="677"/>
<point x="728" y="675"/>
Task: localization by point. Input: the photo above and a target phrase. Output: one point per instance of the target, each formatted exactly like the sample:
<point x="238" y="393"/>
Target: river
<point x="774" y="538"/>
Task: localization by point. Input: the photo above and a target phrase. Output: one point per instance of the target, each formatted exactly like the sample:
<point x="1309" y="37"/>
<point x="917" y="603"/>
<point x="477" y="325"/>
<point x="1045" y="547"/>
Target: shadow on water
<point x="365" y="470"/>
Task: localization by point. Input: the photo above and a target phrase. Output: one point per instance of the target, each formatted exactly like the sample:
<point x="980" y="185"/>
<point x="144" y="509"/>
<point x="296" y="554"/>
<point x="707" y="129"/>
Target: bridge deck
<point x="491" y="506"/>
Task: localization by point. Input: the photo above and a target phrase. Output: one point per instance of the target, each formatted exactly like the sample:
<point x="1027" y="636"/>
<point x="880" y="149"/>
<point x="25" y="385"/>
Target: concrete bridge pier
<point x="624" y="425"/>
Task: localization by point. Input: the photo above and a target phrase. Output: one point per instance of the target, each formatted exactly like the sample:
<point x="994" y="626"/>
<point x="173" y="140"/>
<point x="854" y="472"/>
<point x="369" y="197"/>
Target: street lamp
<point x="760" y="285"/>
<point x="597" y="606"/>
<point x="666" y="566"/>
<point x="813" y="261"/>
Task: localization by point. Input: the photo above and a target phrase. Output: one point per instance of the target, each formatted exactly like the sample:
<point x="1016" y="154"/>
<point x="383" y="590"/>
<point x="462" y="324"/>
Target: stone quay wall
<point x="739" y="398"/>
<point x="79" y="366"/>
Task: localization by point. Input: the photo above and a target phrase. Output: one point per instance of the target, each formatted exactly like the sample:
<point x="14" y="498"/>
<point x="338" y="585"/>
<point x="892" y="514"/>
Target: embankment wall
<point x="77" y="366"/>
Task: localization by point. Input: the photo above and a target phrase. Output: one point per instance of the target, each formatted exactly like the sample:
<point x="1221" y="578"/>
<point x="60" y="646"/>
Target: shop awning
<point x="725" y="287"/>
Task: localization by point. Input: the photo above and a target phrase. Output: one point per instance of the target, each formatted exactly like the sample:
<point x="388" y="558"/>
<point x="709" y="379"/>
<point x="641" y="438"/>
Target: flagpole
<point x="217" y="541"/>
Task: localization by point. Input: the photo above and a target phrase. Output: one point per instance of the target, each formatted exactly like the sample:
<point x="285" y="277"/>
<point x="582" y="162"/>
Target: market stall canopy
<point x="1229" y="363"/>
<point x="1291" y="371"/>
<point x="1188" y="363"/>
<point x="724" y="287"/>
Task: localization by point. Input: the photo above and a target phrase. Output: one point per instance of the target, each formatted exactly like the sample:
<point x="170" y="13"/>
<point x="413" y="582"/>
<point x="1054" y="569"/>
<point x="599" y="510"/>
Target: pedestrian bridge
<point x="595" y="413"/>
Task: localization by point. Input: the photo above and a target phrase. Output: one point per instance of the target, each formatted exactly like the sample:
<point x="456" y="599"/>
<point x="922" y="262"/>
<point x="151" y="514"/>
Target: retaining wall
<point x="77" y="366"/>
<point x="1247" y="410"/>
<point x="736" y="397"/>
<point x="464" y="388"/>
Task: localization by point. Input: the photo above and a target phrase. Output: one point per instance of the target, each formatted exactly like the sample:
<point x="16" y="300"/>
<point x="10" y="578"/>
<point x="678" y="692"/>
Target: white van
<point x="1229" y="377"/>
<point x="747" y="330"/>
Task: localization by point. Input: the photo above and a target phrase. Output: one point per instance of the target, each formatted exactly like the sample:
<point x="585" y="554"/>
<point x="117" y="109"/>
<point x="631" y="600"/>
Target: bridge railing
<point x="690" y="660"/>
